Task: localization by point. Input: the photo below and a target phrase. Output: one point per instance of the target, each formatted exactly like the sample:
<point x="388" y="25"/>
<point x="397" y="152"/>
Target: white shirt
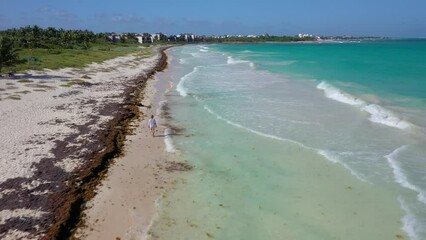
<point x="152" y="123"/>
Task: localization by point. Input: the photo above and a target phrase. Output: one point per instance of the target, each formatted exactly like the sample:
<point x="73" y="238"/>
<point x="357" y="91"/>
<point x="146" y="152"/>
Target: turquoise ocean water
<point x="298" y="141"/>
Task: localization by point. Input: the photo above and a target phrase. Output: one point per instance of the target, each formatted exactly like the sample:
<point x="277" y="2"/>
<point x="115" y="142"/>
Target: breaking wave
<point x="399" y="175"/>
<point x="233" y="61"/>
<point x="180" y="86"/>
<point x="338" y="95"/>
<point x="410" y="223"/>
<point x="170" y="147"/>
<point x="381" y="115"/>
<point x="378" y="114"/>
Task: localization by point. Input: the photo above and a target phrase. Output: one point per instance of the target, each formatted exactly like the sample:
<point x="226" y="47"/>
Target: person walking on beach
<point x="152" y="125"/>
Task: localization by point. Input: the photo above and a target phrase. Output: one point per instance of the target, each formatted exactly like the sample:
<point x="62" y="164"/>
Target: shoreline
<point x="94" y="225"/>
<point x="246" y="173"/>
<point x="126" y="201"/>
<point x="60" y="149"/>
<point x="118" y="130"/>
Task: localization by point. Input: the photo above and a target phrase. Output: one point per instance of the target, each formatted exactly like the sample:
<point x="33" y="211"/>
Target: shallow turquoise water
<point x="292" y="141"/>
<point x="384" y="68"/>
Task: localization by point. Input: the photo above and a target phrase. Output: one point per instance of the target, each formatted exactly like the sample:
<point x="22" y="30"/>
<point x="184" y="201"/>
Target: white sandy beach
<point x="49" y="122"/>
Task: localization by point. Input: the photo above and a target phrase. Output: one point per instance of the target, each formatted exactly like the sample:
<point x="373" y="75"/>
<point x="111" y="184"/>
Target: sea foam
<point x="335" y="159"/>
<point x="323" y="153"/>
<point x="378" y="114"/>
<point x="384" y="116"/>
<point x="233" y="61"/>
<point x="254" y="131"/>
<point x="180" y="86"/>
<point x="409" y="221"/>
<point x="338" y="95"/>
<point x="204" y="49"/>
<point x="170" y="147"/>
<point x="399" y="175"/>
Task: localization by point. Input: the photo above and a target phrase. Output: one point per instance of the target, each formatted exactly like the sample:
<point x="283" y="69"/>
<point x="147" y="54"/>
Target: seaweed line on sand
<point x="67" y="215"/>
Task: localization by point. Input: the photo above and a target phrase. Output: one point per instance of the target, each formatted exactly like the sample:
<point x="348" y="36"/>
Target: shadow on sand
<point x="165" y="135"/>
<point x="26" y="76"/>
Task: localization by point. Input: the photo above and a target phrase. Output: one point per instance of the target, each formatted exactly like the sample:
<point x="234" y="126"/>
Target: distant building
<point x="156" y="37"/>
<point x="140" y="38"/>
<point x="114" y="38"/>
<point x="304" y="35"/>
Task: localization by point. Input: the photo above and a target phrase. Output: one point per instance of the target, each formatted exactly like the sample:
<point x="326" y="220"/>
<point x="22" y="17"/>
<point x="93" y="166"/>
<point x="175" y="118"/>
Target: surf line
<point x="318" y="151"/>
<point x="399" y="175"/>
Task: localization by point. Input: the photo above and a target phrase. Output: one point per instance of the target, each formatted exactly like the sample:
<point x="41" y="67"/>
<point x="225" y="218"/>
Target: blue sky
<point x="393" y="18"/>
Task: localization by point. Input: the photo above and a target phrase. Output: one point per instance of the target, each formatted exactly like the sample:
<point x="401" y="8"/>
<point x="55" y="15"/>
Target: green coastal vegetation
<point x="35" y="48"/>
<point x="74" y="82"/>
<point x="8" y="54"/>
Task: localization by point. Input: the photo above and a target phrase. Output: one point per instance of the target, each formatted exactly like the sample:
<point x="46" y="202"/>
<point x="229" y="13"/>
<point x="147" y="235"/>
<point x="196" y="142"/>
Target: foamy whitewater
<point x="289" y="144"/>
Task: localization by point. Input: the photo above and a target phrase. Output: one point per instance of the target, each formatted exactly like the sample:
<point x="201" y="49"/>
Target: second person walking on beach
<point x="152" y="125"/>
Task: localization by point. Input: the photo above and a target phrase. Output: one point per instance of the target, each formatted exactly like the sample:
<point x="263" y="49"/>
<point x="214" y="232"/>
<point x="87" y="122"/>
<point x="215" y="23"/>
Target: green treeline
<point x="8" y="54"/>
<point x="49" y="38"/>
<point x="35" y="48"/>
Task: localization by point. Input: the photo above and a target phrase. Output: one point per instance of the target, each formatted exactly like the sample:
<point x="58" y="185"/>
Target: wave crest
<point x="399" y="175"/>
<point x="381" y="115"/>
<point x="180" y="86"/>
<point x="378" y="114"/>
<point x="335" y="159"/>
<point x="338" y="95"/>
<point x="233" y="61"/>
<point x="170" y="147"/>
<point x="409" y="221"/>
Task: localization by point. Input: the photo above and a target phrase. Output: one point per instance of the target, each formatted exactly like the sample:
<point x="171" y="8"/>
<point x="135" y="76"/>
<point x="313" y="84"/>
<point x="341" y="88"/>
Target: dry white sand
<point x="38" y="109"/>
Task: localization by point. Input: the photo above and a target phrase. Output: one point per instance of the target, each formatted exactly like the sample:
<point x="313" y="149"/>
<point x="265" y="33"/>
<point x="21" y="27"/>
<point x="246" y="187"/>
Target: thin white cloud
<point x="126" y="18"/>
<point x="64" y="14"/>
<point x="117" y="18"/>
<point x="43" y="10"/>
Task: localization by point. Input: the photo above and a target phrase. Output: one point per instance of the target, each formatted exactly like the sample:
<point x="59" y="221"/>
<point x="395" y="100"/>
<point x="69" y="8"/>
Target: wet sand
<point x="125" y="202"/>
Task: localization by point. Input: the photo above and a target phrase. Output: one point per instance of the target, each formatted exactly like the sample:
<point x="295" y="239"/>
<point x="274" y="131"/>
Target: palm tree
<point x="8" y="54"/>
